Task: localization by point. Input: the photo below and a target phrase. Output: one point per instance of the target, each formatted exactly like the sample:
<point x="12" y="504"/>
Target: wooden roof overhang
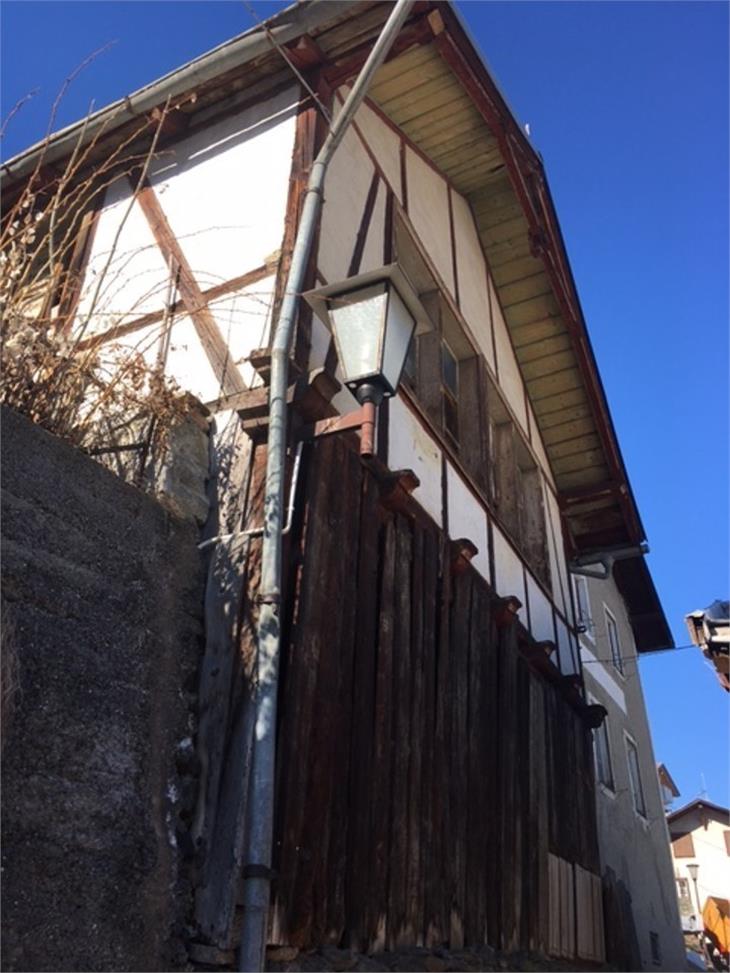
<point x="440" y="94"/>
<point x="437" y="90"/>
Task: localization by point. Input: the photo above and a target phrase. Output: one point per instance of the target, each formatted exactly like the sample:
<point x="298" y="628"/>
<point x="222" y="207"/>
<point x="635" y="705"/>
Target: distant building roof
<point x="697" y="804"/>
<point x="709" y="628"/>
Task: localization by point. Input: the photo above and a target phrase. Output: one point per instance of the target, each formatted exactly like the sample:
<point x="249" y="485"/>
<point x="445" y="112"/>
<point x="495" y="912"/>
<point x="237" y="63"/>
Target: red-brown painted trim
<point x="73" y="284"/>
<point x="362" y="233"/>
<point x="542" y="224"/>
<point x="403" y="173"/>
<point x="211" y="294"/>
<point x="388" y="229"/>
<point x="205" y="324"/>
<point x="416" y="149"/>
<point x="305" y="136"/>
<point x="452" y="236"/>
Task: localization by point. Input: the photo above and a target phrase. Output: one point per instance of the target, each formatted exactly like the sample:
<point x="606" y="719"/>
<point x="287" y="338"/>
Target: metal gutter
<point x="285" y="26"/>
<point x="260" y="816"/>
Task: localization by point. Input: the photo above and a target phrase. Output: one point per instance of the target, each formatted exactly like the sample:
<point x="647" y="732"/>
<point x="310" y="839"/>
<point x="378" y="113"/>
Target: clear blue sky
<point x="628" y="104"/>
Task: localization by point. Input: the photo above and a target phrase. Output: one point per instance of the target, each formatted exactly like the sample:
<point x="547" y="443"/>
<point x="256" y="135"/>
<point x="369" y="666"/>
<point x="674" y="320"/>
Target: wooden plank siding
<point x="425" y="771"/>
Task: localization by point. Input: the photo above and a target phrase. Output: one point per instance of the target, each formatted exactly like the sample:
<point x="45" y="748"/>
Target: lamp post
<point x="373" y="318"/>
<point x="693" y="870"/>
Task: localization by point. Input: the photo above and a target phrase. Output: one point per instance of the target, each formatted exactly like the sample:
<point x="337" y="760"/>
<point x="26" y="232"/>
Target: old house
<point x="700" y="836"/>
<point x="630" y="790"/>
<point x="435" y="782"/>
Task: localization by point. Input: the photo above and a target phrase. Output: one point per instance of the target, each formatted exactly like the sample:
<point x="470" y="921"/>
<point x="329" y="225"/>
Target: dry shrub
<point x="93" y="395"/>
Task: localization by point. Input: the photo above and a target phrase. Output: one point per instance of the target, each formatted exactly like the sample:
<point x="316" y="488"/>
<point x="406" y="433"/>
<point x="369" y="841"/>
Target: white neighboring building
<point x="700" y="835"/>
<point x="632" y="834"/>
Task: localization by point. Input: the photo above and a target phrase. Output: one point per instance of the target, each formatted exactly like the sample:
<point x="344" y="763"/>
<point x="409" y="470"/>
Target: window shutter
<point x="683" y="846"/>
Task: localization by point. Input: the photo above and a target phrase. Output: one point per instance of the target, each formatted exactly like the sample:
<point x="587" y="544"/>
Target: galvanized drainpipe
<point x="259" y="830"/>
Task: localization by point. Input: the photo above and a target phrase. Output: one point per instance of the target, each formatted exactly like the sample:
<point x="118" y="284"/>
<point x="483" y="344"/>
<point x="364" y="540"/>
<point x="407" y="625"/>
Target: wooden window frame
<point x="615" y="649"/>
<point x="584" y="618"/>
<point x="602" y="730"/>
<point x="636" y="787"/>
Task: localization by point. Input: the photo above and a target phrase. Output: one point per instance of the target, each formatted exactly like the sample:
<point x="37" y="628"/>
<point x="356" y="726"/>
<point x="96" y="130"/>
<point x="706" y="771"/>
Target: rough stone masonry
<point x="102" y="605"/>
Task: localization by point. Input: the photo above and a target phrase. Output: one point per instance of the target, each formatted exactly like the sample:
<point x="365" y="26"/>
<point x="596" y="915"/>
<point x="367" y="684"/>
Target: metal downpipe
<point x="260" y="805"/>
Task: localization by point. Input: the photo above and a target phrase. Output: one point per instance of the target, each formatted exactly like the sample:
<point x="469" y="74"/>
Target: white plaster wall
<point x="713" y="877"/>
<point x="467" y="518"/>
<point x="373" y="255"/>
<point x="510" y="378"/>
<point x="428" y="209"/>
<point x="126" y="275"/>
<point x="541" y="612"/>
<point x="244" y="319"/>
<point x="510" y="579"/>
<point x="384" y="143"/>
<point x="471" y="270"/>
<point x="635" y="847"/>
<point x="348" y="180"/>
<point x="411" y="448"/>
<point x="224" y="189"/>
<point x="597" y="673"/>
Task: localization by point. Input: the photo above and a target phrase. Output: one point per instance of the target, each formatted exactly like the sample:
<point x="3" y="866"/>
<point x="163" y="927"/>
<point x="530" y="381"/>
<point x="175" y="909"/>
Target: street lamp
<point x="693" y="870"/>
<point x="373" y="318"/>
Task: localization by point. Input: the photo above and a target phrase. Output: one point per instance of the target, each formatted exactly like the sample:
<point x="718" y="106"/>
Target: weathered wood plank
<point x="459" y="662"/>
<point x="399" y="823"/>
<point x="363" y="703"/>
<point x="430" y="781"/>
<point x="382" y="750"/>
<point x="342" y="816"/>
<point x="413" y="931"/>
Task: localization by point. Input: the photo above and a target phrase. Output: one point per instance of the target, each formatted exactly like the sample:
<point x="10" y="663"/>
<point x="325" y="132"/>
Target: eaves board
<point x="419" y="93"/>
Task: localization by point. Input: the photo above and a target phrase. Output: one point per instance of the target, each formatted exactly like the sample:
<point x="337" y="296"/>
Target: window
<point x="685" y="900"/>
<point x="656" y="953"/>
<point x="583" y="606"/>
<point x="637" y="792"/>
<point x="450" y="393"/>
<point x="613" y="642"/>
<point x="727" y="841"/>
<point x="683" y="846"/>
<point x="410" y="368"/>
<point x="602" y="750"/>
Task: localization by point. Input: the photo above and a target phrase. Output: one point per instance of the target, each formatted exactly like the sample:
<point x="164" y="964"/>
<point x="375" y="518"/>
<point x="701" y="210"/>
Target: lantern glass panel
<point x="399" y="329"/>
<point x="357" y="322"/>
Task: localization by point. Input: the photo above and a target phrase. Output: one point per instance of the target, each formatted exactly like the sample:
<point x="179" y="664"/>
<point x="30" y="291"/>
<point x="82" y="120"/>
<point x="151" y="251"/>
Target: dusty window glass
<point x="635" y="777"/>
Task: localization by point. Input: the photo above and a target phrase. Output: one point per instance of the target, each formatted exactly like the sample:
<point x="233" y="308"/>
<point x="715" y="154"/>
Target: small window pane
<point x="635" y="777"/>
<point x="614" y="644"/>
<point x="604" y="770"/>
<point x="449" y="370"/>
<point x="410" y="369"/>
<point x="451" y="417"/>
<point x="583" y="606"/>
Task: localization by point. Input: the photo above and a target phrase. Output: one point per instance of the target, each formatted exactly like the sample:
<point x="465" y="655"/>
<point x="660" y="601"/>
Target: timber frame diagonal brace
<point x="192" y="296"/>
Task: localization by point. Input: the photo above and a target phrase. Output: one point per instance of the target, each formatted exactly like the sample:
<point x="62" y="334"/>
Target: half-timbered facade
<point x="435" y="778"/>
